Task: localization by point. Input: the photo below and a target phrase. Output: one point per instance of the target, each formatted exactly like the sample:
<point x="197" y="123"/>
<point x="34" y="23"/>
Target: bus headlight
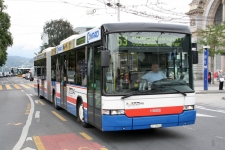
<point x="106" y="112"/>
<point x="113" y="112"/>
<point x="189" y="107"/>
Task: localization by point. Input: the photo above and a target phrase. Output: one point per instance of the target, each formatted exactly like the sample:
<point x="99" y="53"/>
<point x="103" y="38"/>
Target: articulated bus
<point x="96" y="76"/>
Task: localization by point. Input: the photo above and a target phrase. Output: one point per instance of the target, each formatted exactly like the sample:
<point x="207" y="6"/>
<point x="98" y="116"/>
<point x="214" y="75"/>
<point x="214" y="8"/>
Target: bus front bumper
<point x="122" y="122"/>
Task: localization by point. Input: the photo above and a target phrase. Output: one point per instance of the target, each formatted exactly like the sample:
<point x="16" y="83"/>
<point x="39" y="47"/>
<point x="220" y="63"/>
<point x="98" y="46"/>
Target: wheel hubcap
<point x="81" y="113"/>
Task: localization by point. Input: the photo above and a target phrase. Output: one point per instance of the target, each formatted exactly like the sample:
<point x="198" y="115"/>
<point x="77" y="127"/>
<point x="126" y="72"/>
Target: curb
<point x="210" y="92"/>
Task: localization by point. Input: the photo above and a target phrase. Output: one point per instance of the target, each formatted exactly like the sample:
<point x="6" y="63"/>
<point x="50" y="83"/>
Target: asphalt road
<point x="29" y="123"/>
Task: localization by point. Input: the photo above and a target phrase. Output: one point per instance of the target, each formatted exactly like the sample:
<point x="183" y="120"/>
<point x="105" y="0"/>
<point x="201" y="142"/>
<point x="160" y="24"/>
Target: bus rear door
<point x="63" y="80"/>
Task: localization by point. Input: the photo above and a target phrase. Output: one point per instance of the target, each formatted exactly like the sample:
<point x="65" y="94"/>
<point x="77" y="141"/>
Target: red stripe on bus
<point x="154" y="111"/>
<point x="71" y="100"/>
<point x="85" y="104"/>
<point x="58" y="95"/>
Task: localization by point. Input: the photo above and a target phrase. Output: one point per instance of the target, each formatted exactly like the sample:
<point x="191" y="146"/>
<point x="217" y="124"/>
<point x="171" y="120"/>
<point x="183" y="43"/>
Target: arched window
<point x="218" y="17"/>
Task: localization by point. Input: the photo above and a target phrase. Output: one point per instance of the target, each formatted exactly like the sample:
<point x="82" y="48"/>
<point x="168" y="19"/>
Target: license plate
<point x="155" y="125"/>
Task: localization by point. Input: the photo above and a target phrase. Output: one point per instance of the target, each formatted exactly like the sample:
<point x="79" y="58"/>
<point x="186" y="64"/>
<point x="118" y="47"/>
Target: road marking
<point x="42" y="103"/>
<point x="27" y="112"/>
<point x="27" y="87"/>
<point x="25" y="130"/>
<point x="57" y="115"/>
<point x="37" y="116"/>
<point x="8" y="87"/>
<point x="29" y="139"/>
<point x="28" y="148"/>
<point x="215" y="110"/>
<point x="203" y="115"/>
<point x="86" y="136"/>
<point x="0" y="87"/>
<point x="17" y="124"/>
<point x="16" y="86"/>
<point x="84" y="148"/>
<point x="36" y="101"/>
<point x="32" y="85"/>
<point x="38" y="143"/>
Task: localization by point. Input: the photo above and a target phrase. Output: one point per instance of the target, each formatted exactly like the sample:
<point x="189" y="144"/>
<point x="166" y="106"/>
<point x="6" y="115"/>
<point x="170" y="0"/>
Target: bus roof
<point x="145" y="26"/>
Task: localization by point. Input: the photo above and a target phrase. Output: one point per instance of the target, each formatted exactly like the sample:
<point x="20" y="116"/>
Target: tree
<point x="56" y="30"/>
<point x="214" y="37"/>
<point x="5" y="36"/>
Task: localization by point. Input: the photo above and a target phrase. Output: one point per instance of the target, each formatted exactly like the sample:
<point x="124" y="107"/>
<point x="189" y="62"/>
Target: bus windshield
<point x="134" y="55"/>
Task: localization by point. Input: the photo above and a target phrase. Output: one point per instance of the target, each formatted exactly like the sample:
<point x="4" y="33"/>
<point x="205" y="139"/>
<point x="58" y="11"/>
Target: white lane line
<point x="25" y="130"/>
<point x="203" y="115"/>
<point x="215" y="110"/>
<point x="36" y="101"/>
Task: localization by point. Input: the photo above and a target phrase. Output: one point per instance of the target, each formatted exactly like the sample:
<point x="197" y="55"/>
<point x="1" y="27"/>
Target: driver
<point x="154" y="75"/>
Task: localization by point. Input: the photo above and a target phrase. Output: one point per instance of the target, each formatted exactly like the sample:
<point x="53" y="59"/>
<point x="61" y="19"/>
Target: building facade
<point x="203" y="13"/>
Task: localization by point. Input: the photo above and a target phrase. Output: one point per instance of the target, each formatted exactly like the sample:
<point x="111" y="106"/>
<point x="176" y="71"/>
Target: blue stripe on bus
<point x="71" y="108"/>
<point x="53" y="83"/>
<point x="35" y="89"/>
<point x="122" y="122"/>
<point x="58" y="101"/>
<point x="46" y="95"/>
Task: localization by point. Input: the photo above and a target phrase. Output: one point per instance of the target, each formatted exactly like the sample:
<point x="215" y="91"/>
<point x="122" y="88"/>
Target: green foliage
<point x="5" y="36"/>
<point x="214" y="37"/>
<point x="57" y="30"/>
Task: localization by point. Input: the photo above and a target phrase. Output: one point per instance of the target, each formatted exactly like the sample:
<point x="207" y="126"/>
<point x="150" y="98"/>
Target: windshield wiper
<point x="136" y="93"/>
<point x="176" y="90"/>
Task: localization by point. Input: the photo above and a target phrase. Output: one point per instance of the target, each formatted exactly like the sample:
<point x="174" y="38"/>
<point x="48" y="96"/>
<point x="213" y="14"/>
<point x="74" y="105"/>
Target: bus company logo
<point x="93" y="36"/>
<point x="59" y="49"/>
<point x="71" y="91"/>
<point x="155" y="110"/>
<point x="133" y="104"/>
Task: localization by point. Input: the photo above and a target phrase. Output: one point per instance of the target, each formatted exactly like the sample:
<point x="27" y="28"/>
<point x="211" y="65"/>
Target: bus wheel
<point x="80" y="115"/>
<point x="54" y="103"/>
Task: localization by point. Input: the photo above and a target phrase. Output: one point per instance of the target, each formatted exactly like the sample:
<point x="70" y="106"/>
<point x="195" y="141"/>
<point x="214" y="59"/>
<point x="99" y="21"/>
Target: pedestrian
<point x="209" y="77"/>
<point x="215" y="76"/>
<point x="221" y="79"/>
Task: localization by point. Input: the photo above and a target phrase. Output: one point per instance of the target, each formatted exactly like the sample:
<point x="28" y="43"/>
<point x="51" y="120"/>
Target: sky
<point x="29" y="16"/>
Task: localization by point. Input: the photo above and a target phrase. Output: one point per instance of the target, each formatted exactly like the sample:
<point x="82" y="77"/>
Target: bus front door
<point x="63" y="80"/>
<point x="94" y="87"/>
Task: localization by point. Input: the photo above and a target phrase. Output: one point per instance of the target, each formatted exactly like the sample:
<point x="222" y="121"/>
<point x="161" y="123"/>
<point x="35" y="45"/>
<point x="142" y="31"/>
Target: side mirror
<point x="105" y="58"/>
<point x="195" y="57"/>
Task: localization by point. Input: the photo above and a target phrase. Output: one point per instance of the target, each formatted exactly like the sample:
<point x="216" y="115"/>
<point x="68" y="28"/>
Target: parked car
<point x="1" y="75"/>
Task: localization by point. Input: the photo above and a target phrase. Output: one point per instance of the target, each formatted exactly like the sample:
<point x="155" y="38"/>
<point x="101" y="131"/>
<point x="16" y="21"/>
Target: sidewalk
<point x="212" y="88"/>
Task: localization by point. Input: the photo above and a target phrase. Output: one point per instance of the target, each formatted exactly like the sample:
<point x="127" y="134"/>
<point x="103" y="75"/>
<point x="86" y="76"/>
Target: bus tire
<point x="80" y="115"/>
<point x="55" y="103"/>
